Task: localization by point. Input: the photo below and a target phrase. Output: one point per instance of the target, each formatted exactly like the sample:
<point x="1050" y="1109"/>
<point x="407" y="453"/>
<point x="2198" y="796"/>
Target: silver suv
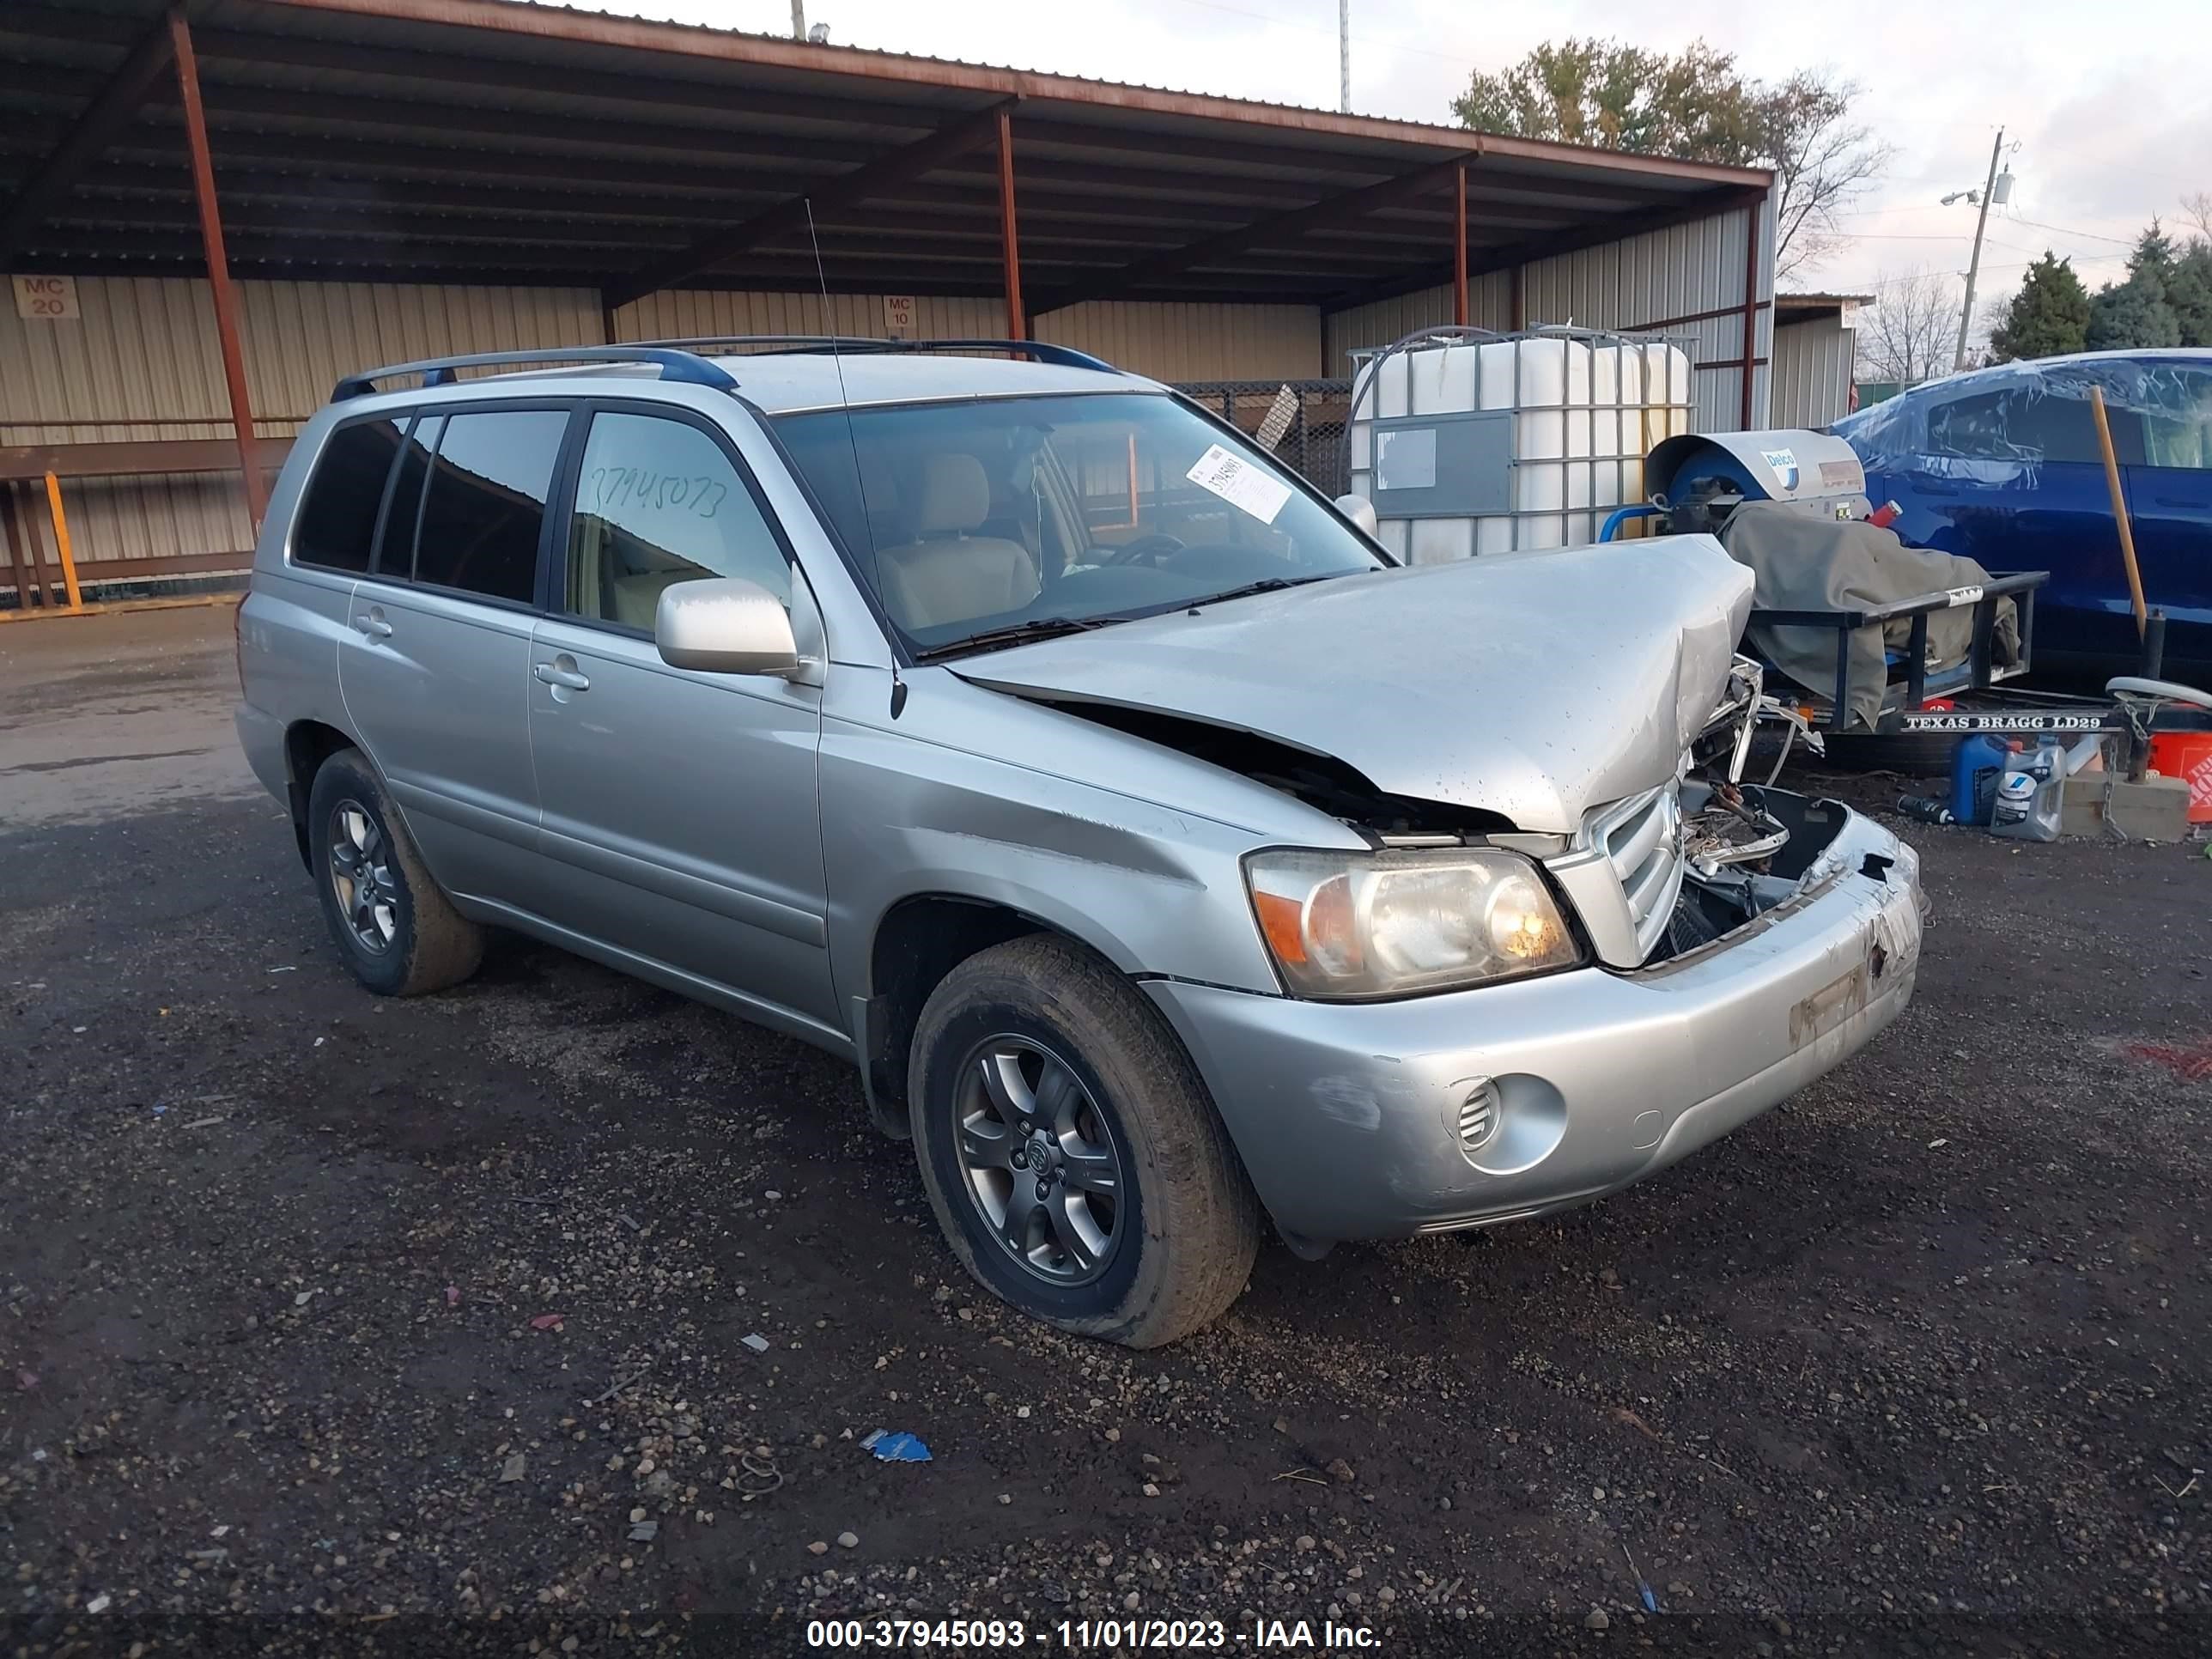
<point x="1161" y="854"/>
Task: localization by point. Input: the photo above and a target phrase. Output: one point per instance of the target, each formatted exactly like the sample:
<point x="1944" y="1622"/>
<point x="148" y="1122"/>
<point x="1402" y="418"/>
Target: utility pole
<point x="798" y="20"/>
<point x="1343" y="57"/>
<point x="1974" y="265"/>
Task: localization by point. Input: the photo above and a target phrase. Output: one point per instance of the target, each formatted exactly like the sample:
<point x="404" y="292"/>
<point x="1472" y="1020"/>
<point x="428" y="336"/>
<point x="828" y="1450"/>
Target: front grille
<point x="1641" y="838"/>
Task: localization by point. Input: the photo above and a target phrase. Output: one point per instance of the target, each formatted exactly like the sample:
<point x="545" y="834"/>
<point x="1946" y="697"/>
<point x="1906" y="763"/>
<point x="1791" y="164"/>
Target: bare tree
<point x="1908" y="333"/>
<point x="1823" y="160"/>
<point x="2197" y="208"/>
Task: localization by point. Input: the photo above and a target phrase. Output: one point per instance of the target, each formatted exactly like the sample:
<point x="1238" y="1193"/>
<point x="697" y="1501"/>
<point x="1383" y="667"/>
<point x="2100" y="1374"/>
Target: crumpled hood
<point x="1535" y="685"/>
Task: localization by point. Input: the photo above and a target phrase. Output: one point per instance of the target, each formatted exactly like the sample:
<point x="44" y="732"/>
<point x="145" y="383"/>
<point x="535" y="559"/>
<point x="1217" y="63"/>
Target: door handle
<point x="372" y="623"/>
<point x="2194" y="504"/>
<point x="561" y="673"/>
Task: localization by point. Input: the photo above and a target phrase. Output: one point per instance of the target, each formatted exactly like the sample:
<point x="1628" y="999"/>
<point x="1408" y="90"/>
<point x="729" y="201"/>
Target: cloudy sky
<point x="2106" y="123"/>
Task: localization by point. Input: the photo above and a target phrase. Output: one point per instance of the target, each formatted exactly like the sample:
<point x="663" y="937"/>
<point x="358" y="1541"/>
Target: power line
<point x="2067" y="230"/>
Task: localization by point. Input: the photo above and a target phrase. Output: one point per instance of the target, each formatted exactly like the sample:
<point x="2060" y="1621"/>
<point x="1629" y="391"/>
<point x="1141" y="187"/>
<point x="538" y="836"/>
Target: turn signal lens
<point x="1352" y="924"/>
<point x="1282" y="920"/>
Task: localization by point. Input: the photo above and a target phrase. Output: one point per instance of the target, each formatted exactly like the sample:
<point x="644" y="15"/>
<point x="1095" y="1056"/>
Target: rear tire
<point x="1144" y="1227"/>
<point x="397" y="930"/>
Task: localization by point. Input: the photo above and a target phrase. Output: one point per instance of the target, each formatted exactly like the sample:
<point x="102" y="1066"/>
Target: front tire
<point x="397" y="930"/>
<point x="1069" y="1150"/>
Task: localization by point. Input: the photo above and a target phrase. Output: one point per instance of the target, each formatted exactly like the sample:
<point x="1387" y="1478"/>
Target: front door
<point x="436" y="652"/>
<point x="681" y="821"/>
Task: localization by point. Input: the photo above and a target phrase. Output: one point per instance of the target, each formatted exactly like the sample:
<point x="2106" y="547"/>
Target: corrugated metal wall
<point x="1195" y="342"/>
<point x="142" y="361"/>
<point x="1167" y="342"/>
<point x="1489" y="304"/>
<point x="682" y="314"/>
<point x="1812" y="364"/>
<point x="1653" y="280"/>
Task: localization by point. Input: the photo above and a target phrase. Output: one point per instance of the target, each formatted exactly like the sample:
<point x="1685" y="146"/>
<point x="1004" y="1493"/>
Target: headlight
<point x="1384" y="924"/>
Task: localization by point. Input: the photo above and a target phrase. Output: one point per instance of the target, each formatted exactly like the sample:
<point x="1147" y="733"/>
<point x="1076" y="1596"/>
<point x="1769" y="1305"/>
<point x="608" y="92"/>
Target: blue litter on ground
<point x="900" y="1448"/>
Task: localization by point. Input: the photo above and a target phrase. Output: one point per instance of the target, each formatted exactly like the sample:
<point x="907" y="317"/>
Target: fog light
<point x="1479" y="1114"/>
<point x="1504" y="1125"/>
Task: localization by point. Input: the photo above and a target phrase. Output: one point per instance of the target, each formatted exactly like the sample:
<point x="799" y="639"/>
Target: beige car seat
<point x="947" y="574"/>
<point x="637" y="598"/>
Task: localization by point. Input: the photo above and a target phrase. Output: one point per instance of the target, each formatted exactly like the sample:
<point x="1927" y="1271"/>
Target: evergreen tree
<point x="2048" y="318"/>
<point x="2136" y="314"/>
<point x="2189" y="291"/>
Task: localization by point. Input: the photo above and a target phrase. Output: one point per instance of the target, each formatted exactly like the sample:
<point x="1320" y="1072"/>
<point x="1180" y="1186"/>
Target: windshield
<point x="973" y="518"/>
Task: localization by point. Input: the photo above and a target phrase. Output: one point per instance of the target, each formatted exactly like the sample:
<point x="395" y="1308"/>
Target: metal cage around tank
<point x="1476" y="466"/>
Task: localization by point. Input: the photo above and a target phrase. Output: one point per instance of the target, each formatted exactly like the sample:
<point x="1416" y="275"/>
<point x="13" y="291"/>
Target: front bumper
<point x="1349" y="1116"/>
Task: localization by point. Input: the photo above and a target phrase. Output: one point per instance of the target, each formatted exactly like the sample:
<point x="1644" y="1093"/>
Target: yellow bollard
<point x="62" y="541"/>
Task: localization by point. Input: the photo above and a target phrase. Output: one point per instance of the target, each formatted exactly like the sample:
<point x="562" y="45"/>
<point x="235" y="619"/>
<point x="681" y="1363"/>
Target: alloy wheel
<point x="1041" y="1166"/>
<point x="362" y="877"/>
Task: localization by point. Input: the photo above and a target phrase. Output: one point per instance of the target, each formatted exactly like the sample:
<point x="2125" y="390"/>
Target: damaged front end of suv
<point x="1552" y="941"/>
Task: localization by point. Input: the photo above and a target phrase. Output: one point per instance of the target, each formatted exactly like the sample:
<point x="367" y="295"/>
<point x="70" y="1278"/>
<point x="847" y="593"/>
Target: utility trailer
<point x="1698" y="480"/>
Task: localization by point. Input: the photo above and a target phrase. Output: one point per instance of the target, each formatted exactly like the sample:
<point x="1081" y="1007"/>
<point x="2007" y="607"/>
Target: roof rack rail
<point x="683" y="367"/>
<point x="1043" y="352"/>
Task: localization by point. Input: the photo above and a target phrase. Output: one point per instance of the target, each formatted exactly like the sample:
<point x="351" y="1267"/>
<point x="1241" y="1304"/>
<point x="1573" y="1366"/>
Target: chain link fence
<point x="1312" y="438"/>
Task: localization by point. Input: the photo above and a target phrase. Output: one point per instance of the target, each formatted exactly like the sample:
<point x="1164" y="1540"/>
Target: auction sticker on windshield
<point x="1240" y="484"/>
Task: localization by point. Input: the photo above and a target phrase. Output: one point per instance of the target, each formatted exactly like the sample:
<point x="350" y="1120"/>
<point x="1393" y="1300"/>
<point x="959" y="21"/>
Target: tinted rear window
<point x="337" y="516"/>
<point x="486" y="503"/>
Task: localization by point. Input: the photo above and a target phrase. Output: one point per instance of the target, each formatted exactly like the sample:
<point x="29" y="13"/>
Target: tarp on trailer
<point x="1806" y="561"/>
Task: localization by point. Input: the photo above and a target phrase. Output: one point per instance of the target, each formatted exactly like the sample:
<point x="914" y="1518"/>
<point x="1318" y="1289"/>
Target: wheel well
<point x="307" y="745"/>
<point x="919" y="941"/>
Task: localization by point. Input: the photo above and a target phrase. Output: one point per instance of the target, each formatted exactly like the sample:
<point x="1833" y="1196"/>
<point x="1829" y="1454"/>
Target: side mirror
<point x="1361" y="512"/>
<point x="724" y="625"/>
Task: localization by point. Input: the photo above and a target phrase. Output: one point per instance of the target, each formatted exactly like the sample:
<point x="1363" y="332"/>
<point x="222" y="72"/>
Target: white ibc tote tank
<point x="1490" y="443"/>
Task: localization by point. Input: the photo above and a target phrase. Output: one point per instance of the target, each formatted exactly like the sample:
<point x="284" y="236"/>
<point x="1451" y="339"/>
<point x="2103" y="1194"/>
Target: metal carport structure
<point x="491" y="142"/>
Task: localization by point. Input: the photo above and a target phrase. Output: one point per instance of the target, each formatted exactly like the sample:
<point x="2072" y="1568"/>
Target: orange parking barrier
<point x="62" y="542"/>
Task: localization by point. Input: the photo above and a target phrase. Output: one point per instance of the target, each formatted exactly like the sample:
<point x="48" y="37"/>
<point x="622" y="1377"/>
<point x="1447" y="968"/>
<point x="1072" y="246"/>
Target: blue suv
<point x="2003" y="466"/>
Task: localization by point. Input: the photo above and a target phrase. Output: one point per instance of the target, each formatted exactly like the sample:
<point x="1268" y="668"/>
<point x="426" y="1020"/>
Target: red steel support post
<point x="1009" y="240"/>
<point x="1750" y="303"/>
<point x="218" y="266"/>
<point x="1459" y="244"/>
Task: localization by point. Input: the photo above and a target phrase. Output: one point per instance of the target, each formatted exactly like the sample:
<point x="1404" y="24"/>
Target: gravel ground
<point x="336" y="1325"/>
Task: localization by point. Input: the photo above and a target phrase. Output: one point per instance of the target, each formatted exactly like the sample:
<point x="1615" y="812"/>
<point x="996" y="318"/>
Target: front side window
<point x="971" y="518"/>
<point x="658" y="502"/>
<point x="485" y="505"/>
<point x="336" y="519"/>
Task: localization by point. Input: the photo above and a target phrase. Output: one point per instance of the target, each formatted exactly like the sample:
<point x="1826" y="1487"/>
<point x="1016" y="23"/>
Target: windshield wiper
<point x="1265" y="584"/>
<point x="1020" y="633"/>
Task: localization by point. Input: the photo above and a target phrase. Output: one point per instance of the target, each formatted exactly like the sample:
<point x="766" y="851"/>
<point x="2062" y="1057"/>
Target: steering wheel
<point x="2130" y="690"/>
<point x="1144" y="549"/>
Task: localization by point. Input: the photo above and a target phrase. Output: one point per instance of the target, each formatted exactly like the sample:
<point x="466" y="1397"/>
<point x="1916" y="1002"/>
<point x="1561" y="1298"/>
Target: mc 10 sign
<point x="46" y="299"/>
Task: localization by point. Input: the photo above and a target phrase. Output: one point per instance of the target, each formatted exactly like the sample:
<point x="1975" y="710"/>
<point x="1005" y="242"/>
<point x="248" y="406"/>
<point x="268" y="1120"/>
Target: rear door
<point x="2013" y="476"/>
<point x="435" y="665"/>
<point x="2169" y="498"/>
<point x="681" y="813"/>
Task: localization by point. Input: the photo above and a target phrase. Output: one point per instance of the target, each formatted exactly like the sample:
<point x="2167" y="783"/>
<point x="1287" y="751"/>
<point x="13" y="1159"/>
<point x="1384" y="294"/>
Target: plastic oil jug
<point x="2031" y="799"/>
<point x="1976" y="768"/>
